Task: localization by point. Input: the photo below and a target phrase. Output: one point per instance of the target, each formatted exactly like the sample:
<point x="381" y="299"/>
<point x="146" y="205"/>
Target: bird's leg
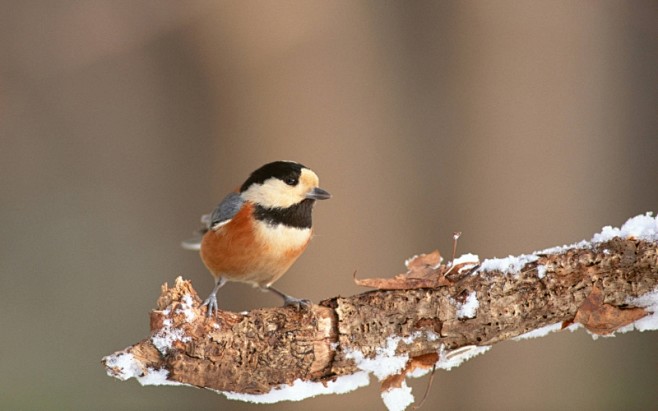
<point x="298" y="303"/>
<point x="211" y="301"/>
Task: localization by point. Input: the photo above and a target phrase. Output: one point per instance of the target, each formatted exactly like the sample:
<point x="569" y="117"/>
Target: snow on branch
<point x="434" y="315"/>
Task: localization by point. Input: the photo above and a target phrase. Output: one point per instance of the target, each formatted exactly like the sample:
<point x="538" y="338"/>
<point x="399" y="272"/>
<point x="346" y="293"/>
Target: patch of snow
<point x="157" y="377"/>
<point x="186" y="305"/>
<point x="541" y="271"/>
<point x="511" y="264"/>
<point x="468" y="308"/>
<point x="411" y="338"/>
<point x="562" y="248"/>
<point x="124" y="366"/>
<point x="300" y="390"/>
<point x="163" y="339"/>
<point x="398" y="399"/>
<point x="468" y="261"/>
<point x="642" y="227"/>
<point x="451" y="359"/>
<point x="385" y="363"/>
<point x="539" y="332"/>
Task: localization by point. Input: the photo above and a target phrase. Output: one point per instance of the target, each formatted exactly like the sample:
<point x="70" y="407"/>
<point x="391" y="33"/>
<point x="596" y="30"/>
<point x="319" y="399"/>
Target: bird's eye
<point x="291" y="181"/>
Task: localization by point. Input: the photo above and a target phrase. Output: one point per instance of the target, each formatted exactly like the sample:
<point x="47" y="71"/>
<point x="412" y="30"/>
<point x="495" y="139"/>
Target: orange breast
<point x="247" y="250"/>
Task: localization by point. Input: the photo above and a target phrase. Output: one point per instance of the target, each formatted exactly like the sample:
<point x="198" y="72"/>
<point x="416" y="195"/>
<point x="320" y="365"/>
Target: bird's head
<point x="282" y="184"/>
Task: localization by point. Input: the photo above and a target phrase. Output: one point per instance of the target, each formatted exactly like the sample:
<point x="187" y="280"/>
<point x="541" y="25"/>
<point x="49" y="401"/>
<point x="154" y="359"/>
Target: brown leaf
<point x="394" y="381"/>
<point x="423" y="271"/>
<point x="422" y="265"/>
<point x="601" y="318"/>
<point x="424" y="361"/>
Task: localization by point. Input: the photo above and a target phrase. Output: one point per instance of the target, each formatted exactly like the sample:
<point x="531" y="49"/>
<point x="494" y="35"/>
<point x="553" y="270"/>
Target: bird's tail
<point x="194" y="243"/>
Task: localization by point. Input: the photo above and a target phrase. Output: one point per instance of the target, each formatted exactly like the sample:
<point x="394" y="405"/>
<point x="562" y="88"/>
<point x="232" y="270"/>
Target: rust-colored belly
<point x="249" y="251"/>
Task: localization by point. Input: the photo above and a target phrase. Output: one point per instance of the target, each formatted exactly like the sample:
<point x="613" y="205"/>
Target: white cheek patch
<point x="282" y="238"/>
<point x="272" y="193"/>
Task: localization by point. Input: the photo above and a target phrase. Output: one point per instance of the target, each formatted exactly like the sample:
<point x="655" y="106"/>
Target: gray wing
<point x="221" y="215"/>
<point x="225" y="211"/>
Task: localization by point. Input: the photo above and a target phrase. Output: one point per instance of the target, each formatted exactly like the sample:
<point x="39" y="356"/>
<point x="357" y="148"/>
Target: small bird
<point x="257" y="232"/>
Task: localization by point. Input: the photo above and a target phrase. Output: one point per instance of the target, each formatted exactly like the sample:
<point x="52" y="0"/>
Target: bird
<point x="258" y="231"/>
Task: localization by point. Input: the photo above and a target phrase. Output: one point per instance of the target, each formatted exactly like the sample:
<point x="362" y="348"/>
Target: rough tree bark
<point x="258" y="351"/>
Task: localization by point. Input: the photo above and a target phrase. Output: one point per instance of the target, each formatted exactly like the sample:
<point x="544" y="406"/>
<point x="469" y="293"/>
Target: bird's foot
<point x="211" y="303"/>
<point x="297" y="303"/>
<point x="289" y="301"/>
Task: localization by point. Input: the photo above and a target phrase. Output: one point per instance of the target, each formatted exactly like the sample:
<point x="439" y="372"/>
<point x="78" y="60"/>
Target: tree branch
<point x="271" y="354"/>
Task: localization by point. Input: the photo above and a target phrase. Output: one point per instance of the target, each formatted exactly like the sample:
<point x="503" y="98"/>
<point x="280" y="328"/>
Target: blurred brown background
<point x="522" y="124"/>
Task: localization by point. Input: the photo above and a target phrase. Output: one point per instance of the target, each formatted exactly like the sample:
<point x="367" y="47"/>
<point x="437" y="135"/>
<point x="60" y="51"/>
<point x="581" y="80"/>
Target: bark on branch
<point x="604" y="286"/>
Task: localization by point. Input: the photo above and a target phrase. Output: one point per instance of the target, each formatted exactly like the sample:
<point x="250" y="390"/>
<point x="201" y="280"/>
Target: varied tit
<point x="256" y="233"/>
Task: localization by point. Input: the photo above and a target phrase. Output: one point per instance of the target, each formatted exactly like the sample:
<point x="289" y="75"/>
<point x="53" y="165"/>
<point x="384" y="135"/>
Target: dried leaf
<point x="601" y="318"/>
<point x="423" y="271"/>
<point x="425" y="361"/>
<point x="421" y="264"/>
<point x="392" y="382"/>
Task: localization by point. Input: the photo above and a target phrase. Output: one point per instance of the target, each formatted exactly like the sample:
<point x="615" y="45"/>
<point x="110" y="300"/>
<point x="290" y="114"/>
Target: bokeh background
<point x="523" y="124"/>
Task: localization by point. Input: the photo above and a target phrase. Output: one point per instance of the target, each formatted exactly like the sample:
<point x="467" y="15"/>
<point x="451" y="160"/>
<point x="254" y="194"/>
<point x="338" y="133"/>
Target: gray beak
<point x="318" y="194"/>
